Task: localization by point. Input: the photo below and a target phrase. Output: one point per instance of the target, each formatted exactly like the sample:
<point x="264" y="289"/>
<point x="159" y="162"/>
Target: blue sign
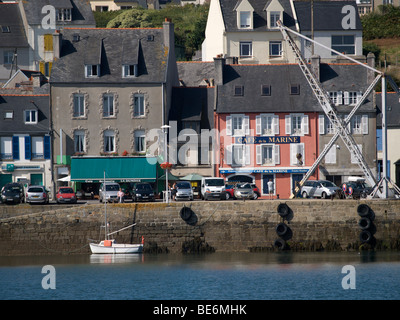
<point x="274" y="170"/>
<point x="272" y="139"/>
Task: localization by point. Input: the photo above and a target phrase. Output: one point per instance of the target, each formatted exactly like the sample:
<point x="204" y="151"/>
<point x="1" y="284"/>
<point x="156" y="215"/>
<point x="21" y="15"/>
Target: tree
<point x="133" y="18"/>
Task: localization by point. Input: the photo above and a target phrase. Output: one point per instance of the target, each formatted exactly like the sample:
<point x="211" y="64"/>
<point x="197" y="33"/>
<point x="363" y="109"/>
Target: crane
<point x="329" y="109"/>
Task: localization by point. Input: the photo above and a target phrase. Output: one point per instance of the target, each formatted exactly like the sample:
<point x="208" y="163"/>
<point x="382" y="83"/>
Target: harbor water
<point x="217" y="276"/>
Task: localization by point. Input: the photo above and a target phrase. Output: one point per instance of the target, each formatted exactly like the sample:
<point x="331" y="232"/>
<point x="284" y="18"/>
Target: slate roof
<point x="10" y="17"/>
<point x="392" y="111"/>
<point x="259" y="16"/>
<point x="327" y="15"/>
<point x="81" y="11"/>
<point x="193" y="74"/>
<point x="111" y="46"/>
<point x="280" y="77"/>
<point x="18" y="103"/>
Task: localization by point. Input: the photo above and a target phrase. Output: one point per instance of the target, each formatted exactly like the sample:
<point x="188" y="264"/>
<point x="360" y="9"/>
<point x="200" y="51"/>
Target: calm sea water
<point x="247" y="276"/>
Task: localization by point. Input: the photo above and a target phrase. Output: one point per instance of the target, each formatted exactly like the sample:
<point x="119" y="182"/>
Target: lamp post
<point x="166" y="167"/>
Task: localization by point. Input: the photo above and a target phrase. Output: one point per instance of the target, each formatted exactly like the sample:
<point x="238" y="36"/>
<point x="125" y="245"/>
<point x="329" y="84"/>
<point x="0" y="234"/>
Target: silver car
<point x="184" y="191"/>
<point x="37" y="194"/>
<point x="319" y="188"/>
<point x="109" y="192"/>
<point x="244" y="191"/>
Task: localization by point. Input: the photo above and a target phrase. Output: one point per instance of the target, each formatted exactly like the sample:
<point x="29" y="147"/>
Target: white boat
<point x="108" y="246"/>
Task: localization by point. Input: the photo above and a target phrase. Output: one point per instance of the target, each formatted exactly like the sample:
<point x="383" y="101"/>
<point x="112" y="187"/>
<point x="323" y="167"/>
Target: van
<point x="109" y="192"/>
<point x="213" y="188"/>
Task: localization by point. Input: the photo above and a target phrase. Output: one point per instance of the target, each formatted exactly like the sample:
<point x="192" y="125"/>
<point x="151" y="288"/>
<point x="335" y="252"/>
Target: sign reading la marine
<point x="273" y="139"/>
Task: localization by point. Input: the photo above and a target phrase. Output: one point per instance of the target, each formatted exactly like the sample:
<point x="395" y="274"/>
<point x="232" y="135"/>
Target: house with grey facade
<point x="110" y="89"/>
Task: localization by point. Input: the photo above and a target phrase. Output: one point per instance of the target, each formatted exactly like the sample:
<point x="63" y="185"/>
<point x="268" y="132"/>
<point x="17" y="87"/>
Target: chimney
<point x="57" y="44"/>
<point x="36" y="80"/>
<point x="219" y="64"/>
<point x="371" y="63"/>
<point x="169" y="36"/>
<point x="315" y="66"/>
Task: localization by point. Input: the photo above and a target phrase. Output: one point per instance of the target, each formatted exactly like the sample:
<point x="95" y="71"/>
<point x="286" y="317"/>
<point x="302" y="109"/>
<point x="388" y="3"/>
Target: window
<point x="330" y="157"/>
<point x="194" y="125"/>
<point x="63" y="14"/>
<point x="267" y="124"/>
<point x="109" y="141"/>
<point x="79" y="105"/>
<point x="237" y="125"/>
<point x="237" y="155"/>
<point x="344" y="44"/>
<point x="296" y="124"/>
<point x="245" y="19"/>
<point x="129" y="70"/>
<point x="8" y="114"/>
<point x="79" y="141"/>
<point x="359" y="124"/>
<point x="336" y="97"/>
<point x="139" y="106"/>
<point x="273" y="19"/>
<point x="238" y="91"/>
<point x="265" y="179"/>
<point x="265" y="90"/>
<point x="140" y="141"/>
<point x="6" y="148"/>
<point x="31" y="116"/>
<point x="275" y="48"/>
<point x="5" y="29"/>
<point x="297" y="156"/>
<point x="37" y="148"/>
<point x="8" y="57"/>
<point x="294" y="89"/>
<point x="268" y="154"/>
<point x="246" y="49"/>
<point x="92" y="70"/>
<point x="352" y="97"/>
<point x="108" y="106"/>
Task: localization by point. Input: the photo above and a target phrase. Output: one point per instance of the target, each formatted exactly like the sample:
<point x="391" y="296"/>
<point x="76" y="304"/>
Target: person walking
<point x="270" y="189"/>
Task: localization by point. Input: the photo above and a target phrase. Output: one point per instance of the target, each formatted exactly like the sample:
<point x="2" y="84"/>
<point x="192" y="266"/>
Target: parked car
<point x="12" y="192"/>
<point x="257" y="192"/>
<point x="244" y="191"/>
<point x="229" y="191"/>
<point x="184" y="191"/>
<point x="109" y="192"/>
<point x="66" y="195"/>
<point x="37" y="194"/>
<point x="143" y="191"/>
<point x="356" y="188"/>
<point x="319" y="188"/>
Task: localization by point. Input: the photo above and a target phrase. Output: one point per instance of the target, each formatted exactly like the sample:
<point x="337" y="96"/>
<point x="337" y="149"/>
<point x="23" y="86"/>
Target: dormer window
<point x="274" y="17"/>
<point x="92" y="70"/>
<point x="64" y="14"/>
<point x="245" y="19"/>
<point x="129" y="70"/>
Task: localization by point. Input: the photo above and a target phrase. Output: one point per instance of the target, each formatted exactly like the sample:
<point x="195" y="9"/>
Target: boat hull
<point x="116" y="248"/>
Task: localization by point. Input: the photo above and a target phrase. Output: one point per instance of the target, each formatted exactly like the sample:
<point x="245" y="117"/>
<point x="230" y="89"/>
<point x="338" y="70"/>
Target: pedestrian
<point x="121" y="195"/>
<point x="173" y="191"/>
<point x="270" y="189"/>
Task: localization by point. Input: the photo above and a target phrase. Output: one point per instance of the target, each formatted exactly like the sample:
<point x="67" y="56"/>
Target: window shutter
<point x="296" y="148"/>
<point x="364" y="123"/>
<point x="28" y="148"/>
<point x="288" y="124"/>
<point x="331" y="155"/>
<point x="359" y="96"/>
<point x="15" y="147"/>
<point x="304" y="124"/>
<point x="41" y="67"/>
<point x="321" y="121"/>
<point x="228" y="154"/>
<point x="47" y="147"/>
<point x="247" y="154"/>
<point x="276" y="124"/>
<point x="258" y="124"/>
<point x="246" y="122"/>
<point x="277" y="157"/>
<point x="340" y="97"/>
<point x="258" y="154"/>
<point x="229" y="125"/>
<point x="48" y="42"/>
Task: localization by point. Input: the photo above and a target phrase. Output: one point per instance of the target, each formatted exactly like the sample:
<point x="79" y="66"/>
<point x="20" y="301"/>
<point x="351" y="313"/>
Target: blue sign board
<point x="272" y="139"/>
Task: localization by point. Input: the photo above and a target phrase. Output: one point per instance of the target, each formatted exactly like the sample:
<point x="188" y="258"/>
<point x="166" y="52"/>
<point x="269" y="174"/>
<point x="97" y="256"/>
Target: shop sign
<point x="272" y="139"/>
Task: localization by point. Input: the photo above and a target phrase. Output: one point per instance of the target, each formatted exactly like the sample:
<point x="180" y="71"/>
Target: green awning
<point x="119" y="169"/>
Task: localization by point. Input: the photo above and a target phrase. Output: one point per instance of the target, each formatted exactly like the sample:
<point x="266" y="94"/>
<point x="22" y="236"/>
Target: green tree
<point x="133" y="18"/>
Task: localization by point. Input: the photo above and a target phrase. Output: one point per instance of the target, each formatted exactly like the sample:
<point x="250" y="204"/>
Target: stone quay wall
<point x="202" y="226"/>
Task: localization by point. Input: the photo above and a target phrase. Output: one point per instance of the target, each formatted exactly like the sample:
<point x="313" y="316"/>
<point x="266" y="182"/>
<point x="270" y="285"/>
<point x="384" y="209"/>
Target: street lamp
<point x="166" y="163"/>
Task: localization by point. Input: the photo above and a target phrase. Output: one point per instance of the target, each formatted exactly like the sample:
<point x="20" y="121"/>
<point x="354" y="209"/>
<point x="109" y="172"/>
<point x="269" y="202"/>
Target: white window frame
<point x="8" y="56"/>
<point x="275" y="43"/>
<point x="233" y="120"/>
<point x="140" y="141"/>
<point x="31" y="116"/>
<point x="330" y="157"/>
<point x="138" y="106"/>
<point x="6" y="148"/>
<point x="108" y="106"/>
<point x="37" y="148"/>
<point x="239" y="152"/>
<point x="79" y="105"/>
<point x="79" y="141"/>
<point x="304" y="124"/>
<point x="336" y="97"/>
<point x="343" y="45"/>
<point x="267" y="124"/>
<point x="243" y="45"/>
<point x="245" y="19"/>
<point x="64" y="14"/>
<point x="275" y="154"/>
<point x="274" y="16"/>
<point x="92" y="70"/>
<point x="129" y="70"/>
<point x="109" y="141"/>
<point x="296" y="148"/>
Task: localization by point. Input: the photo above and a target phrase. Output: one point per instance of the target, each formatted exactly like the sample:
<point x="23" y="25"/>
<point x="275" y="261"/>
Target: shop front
<point x="87" y="173"/>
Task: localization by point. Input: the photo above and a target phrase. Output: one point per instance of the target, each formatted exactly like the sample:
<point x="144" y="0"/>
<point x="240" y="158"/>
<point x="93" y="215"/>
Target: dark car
<point x="356" y="188"/>
<point x="12" y="193"/>
<point x="143" y="192"/>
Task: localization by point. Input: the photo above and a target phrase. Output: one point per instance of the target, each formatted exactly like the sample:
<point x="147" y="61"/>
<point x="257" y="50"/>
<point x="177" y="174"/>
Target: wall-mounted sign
<point x="271" y="139"/>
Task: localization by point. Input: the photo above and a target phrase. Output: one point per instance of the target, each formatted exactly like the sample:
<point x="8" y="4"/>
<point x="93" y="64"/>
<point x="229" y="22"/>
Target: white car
<point x="109" y="192"/>
<point x="184" y="191"/>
